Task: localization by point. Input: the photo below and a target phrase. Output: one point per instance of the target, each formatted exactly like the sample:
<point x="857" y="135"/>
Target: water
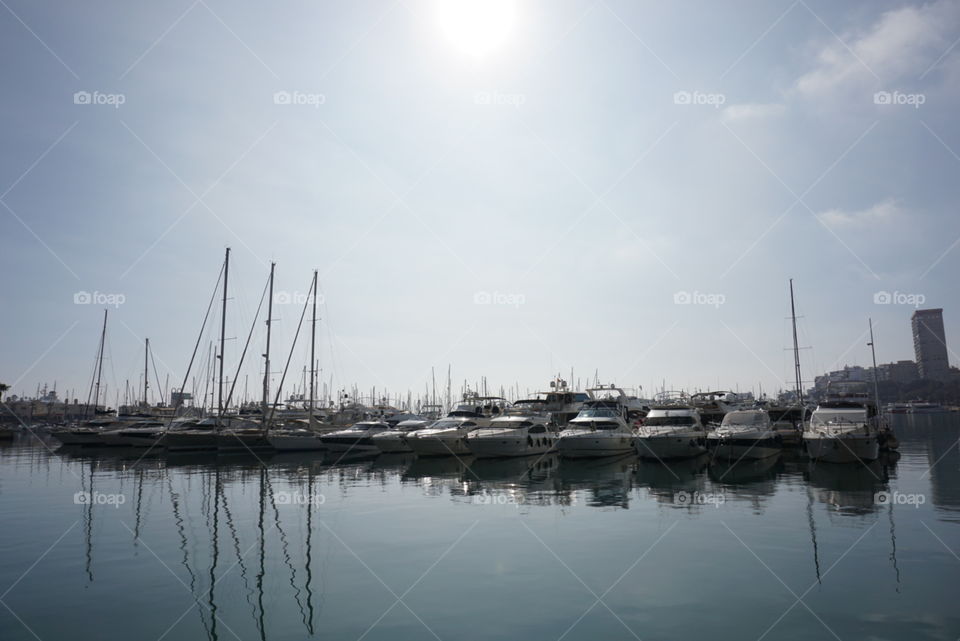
<point x="393" y="548"/>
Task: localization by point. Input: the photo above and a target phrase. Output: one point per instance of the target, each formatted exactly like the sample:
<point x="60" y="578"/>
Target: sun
<point x="476" y="27"/>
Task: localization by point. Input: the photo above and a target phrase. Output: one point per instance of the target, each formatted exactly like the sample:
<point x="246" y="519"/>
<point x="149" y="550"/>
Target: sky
<point x="512" y="189"/>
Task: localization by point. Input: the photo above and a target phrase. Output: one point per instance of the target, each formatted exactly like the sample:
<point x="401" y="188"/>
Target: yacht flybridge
<point x="602" y="428"/>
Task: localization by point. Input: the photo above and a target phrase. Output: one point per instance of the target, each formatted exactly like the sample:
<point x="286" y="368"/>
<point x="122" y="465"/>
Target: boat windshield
<point x="447" y="424"/>
<point x="597" y="412"/>
<point x="849" y="417"/>
<point x="655" y="421"/>
<point x="745" y="418"/>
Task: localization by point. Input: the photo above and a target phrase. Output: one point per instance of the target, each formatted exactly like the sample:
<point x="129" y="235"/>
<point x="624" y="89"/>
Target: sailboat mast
<point x="796" y="348"/>
<point x="103" y="338"/>
<point x="266" y="356"/>
<point x="223" y="331"/>
<point x="873" y="352"/>
<point x="313" y="341"/>
<point x="146" y="360"/>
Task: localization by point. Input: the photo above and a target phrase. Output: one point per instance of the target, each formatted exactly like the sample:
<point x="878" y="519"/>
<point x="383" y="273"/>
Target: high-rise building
<point x="930" y="344"/>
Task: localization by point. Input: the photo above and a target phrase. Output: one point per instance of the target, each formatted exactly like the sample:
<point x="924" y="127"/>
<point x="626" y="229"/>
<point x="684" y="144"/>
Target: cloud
<point x="751" y="111"/>
<point x="901" y="46"/>
<point x="883" y="212"/>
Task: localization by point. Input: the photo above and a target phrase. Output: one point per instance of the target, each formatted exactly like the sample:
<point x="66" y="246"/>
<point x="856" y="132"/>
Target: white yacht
<point x="88" y="432"/>
<point x="523" y="430"/>
<point x="845" y="426"/>
<point x="296" y="435"/>
<point x="357" y="439"/>
<point x="744" y="434"/>
<point x="394" y="440"/>
<point x="602" y="428"/>
<point x="671" y="432"/>
<point x="448" y="436"/>
<point x="713" y="406"/>
<point x="561" y="402"/>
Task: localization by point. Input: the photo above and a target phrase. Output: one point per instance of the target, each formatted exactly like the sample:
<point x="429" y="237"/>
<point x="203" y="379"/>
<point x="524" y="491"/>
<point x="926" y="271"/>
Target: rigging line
<point x="156" y="376"/>
<point x="196" y="346"/>
<point x="283" y="376"/>
<point x="246" y="345"/>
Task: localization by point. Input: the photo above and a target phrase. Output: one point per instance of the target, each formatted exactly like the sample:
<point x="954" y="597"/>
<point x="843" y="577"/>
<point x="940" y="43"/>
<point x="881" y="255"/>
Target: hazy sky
<point x="621" y="187"/>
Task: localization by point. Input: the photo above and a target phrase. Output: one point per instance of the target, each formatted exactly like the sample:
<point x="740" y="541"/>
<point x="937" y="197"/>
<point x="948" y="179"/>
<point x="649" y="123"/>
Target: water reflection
<point x="256" y="559"/>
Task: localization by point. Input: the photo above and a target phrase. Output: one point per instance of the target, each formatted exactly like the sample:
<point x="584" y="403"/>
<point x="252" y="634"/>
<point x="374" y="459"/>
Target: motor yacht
<point x="448" y="436"/>
<point x="671" y="432"/>
<point x="356" y="439"/>
<point x="744" y="434"/>
<point x="601" y="428"/>
<point x="845" y="426"/>
<point x="523" y="430"/>
<point x="394" y="440"/>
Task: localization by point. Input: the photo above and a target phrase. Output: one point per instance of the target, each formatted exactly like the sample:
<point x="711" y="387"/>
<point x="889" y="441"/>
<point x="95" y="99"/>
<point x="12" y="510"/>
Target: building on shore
<point x="930" y="344"/>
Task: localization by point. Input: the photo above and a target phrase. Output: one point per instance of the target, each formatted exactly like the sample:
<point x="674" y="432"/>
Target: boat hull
<point x="191" y="441"/>
<point x="594" y="445"/>
<point x="848" y="448"/>
<point x="242" y="442"/>
<point x="296" y="443"/>
<point x="352" y="444"/>
<point x="502" y="446"/>
<point x="670" y="447"/>
<point x="439" y="445"/>
<point x="735" y="449"/>
<point x="392" y="444"/>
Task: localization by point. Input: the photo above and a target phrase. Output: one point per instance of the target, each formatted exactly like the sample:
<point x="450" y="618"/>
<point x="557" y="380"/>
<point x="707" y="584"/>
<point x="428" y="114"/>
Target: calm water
<point x="295" y="547"/>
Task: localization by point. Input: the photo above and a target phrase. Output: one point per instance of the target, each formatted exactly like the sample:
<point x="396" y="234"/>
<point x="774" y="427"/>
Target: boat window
<point x="537" y="429"/>
<point x="669" y="420"/>
<point x="597" y="412"/>
<point x="745" y="418"/>
<point x="839" y="418"/>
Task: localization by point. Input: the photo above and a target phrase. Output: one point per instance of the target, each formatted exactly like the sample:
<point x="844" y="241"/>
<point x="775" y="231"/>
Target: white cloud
<point x="751" y="111"/>
<point x="883" y="212"/>
<point x="899" y="47"/>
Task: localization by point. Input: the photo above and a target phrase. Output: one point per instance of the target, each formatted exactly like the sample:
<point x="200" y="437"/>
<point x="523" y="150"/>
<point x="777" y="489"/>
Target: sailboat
<point x="287" y="438"/>
<point x="90" y="432"/>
